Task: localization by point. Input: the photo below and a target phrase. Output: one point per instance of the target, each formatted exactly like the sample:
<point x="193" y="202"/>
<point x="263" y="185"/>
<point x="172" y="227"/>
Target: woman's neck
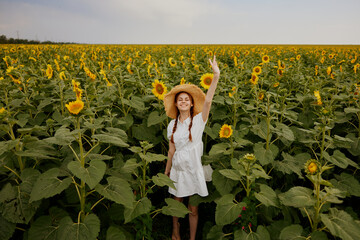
<point x="184" y="115"/>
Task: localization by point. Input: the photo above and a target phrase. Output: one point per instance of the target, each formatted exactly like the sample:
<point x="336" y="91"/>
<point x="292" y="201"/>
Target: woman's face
<point x="183" y="102"/>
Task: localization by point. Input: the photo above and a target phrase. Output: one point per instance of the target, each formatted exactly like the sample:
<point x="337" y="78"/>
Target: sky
<point x="183" y="21"/>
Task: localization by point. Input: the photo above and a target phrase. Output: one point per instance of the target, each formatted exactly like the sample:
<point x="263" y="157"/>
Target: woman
<point x="189" y="108"/>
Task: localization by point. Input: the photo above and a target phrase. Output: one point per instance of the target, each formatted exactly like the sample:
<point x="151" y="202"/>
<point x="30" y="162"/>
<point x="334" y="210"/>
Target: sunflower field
<point x="83" y="141"/>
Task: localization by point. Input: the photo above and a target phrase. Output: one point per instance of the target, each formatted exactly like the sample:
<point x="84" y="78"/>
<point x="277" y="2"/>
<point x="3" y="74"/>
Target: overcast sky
<point x="183" y="21"/>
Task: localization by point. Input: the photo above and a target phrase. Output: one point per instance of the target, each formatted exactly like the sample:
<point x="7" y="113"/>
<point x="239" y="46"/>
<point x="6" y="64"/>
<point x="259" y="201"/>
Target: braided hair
<point x="177" y="117"/>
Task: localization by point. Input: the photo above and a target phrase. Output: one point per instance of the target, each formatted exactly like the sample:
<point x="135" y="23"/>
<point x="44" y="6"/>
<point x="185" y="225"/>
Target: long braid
<point x="191" y="117"/>
<point x="174" y="128"/>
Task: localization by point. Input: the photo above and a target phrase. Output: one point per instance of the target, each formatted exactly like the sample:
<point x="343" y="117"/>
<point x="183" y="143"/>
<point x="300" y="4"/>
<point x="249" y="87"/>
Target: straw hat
<point x="196" y="93"/>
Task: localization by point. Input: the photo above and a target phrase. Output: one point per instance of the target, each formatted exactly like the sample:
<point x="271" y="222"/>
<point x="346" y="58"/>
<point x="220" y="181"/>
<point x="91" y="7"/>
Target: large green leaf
<point x="87" y="230"/>
<point x="227" y="210"/>
<point x="152" y="157"/>
<point x="117" y="190"/>
<point x="63" y="137"/>
<point x="339" y="159"/>
<point x="115" y="233"/>
<point x="231" y="173"/>
<point x="7" y="228"/>
<point x="341" y="224"/>
<point x="140" y="207"/>
<point x="14" y="200"/>
<point x="265" y="156"/>
<point x="215" y="233"/>
<point x="283" y="131"/>
<point x="260" y="234"/>
<point x="163" y="180"/>
<point x="292" y="232"/>
<point x="43" y="229"/>
<point x="91" y="175"/>
<point x="223" y="184"/>
<point x="292" y="164"/>
<point x="174" y="208"/>
<point x="347" y="182"/>
<point x="223" y="148"/>
<point x="48" y="184"/>
<point x="154" y="118"/>
<point x="267" y="196"/>
<point x="298" y="197"/>
<point x="110" y="139"/>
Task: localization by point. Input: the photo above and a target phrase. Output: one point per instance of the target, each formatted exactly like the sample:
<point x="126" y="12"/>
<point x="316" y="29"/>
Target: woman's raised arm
<point x="211" y="91"/>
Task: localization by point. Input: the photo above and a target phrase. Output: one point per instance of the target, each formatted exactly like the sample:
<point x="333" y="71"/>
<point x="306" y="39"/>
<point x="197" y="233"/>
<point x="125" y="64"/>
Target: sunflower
<point x="172" y="62"/>
<point x="249" y="157"/>
<point x="254" y="79"/>
<point x="331" y="56"/>
<point x="298" y="57"/>
<point x="261" y="96"/>
<point x="2" y="110"/>
<point x="265" y="59"/>
<point x="257" y="70"/>
<point x="49" y="71"/>
<point x="246" y="52"/>
<point x="159" y="89"/>
<point x="182" y="81"/>
<point x="318" y="97"/>
<point x="328" y="70"/>
<point x="206" y="80"/>
<point x="62" y="76"/>
<point x="225" y="131"/>
<point x="128" y="67"/>
<point x="280" y="71"/>
<point x="75" y="107"/>
<point x="312" y="166"/>
<point x="276" y="84"/>
<point x="231" y="94"/>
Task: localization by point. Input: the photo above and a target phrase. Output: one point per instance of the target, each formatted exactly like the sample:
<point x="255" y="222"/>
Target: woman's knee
<point x="193" y="210"/>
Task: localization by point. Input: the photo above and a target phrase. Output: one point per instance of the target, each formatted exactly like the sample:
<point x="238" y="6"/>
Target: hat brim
<point x="196" y="93"/>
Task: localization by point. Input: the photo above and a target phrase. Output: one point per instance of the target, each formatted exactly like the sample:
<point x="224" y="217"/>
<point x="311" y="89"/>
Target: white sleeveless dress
<point x="187" y="171"/>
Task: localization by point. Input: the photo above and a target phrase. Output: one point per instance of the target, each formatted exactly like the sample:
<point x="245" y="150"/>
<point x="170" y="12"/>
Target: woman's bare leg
<point x="176" y="224"/>
<point x="193" y="220"/>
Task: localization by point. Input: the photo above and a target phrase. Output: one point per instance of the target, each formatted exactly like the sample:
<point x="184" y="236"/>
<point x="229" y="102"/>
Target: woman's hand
<point x="167" y="173"/>
<point x="215" y="66"/>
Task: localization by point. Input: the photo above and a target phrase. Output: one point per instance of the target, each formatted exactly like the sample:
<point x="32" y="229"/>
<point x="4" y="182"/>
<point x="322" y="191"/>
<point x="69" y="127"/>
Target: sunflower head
<point x="182" y="81"/>
<point x="276" y="84"/>
<point x="2" y="110"/>
<point x="249" y="157"/>
<point x="257" y="70"/>
<point x="159" y="89"/>
<point x="265" y="59"/>
<point x="206" y="80"/>
<point x="254" y="79"/>
<point x="312" y="166"/>
<point x="298" y="57"/>
<point x="225" y="131"/>
<point x="261" y="96"/>
<point x="172" y="62"/>
<point x="75" y="107"/>
<point x="49" y="71"/>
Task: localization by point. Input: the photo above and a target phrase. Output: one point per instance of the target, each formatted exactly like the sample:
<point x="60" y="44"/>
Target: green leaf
<point x="265" y="156"/>
<point x="347" y="182"/>
<point x="298" y="197"/>
<point x="48" y="184"/>
<point x="214" y="131"/>
<point x="16" y="207"/>
<point x="115" y="233"/>
<point x="292" y="232"/>
<point x="43" y="229"/>
<point x="87" y="230"/>
<point x="174" y="208"/>
<point x="341" y="224"/>
<point x="292" y="164"/>
<point x="215" y="233"/>
<point x="106" y="138"/>
<point x="91" y="175"/>
<point x="222" y="148"/>
<point x="226" y="210"/>
<point x="140" y="207"/>
<point x="340" y="160"/>
<point x="355" y="146"/>
<point x="136" y="103"/>
<point x="163" y="180"/>
<point x="284" y="131"/>
<point x="152" y="157"/>
<point x="63" y="137"/>
<point x="7" y="228"/>
<point x="117" y="132"/>
<point x="117" y="190"/>
<point x="267" y="196"/>
<point x="154" y="118"/>
<point x="223" y="184"/>
<point x="318" y="236"/>
<point x="231" y="173"/>
<point x="130" y="165"/>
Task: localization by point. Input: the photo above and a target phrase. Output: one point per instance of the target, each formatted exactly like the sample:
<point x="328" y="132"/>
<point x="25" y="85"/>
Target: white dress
<point x="187" y="171"/>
